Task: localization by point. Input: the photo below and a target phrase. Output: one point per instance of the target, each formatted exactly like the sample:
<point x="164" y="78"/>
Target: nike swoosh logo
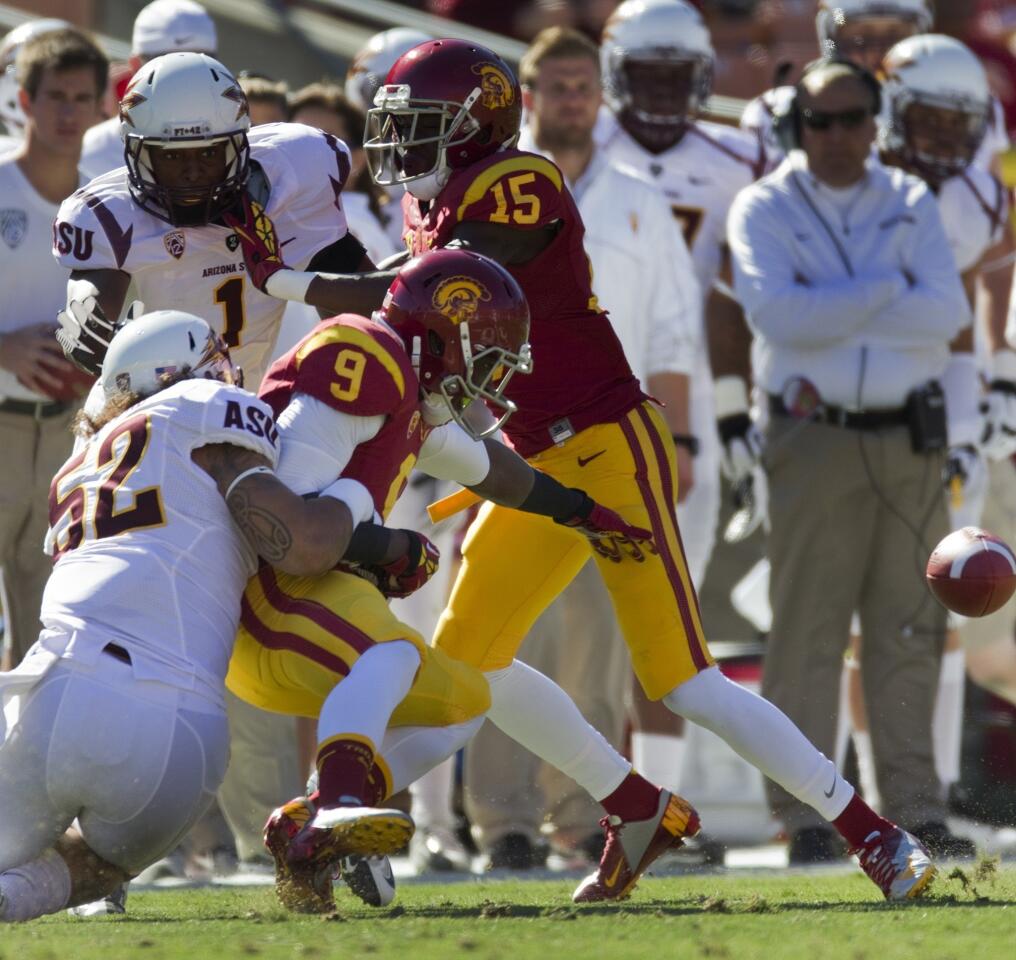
<point x="828" y="793"/>
<point x="611" y="881"/>
<point x="584" y="460"/>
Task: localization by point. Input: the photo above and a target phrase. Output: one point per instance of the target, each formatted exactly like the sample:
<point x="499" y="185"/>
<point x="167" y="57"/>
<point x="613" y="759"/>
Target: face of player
<point x="837" y="130"/>
<point x="421" y="159"/>
<point x="946" y="135"/>
<point x="65" y="105"/>
<point x="190" y="171"/>
<point x="867" y="41"/>
<point x="563" y="102"/>
<point x="659" y="94"/>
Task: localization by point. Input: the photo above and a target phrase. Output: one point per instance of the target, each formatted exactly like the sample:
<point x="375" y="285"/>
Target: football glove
<point x="742" y="441"/>
<point x="260" y="245"/>
<point x="965" y="476"/>
<point x="406" y="574"/>
<point x="85" y="331"/>
<point x="998" y="439"/>
<point x="610" y="534"/>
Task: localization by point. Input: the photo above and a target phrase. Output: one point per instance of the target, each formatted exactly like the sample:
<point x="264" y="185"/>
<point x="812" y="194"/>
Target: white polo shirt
<point x="821" y="278"/>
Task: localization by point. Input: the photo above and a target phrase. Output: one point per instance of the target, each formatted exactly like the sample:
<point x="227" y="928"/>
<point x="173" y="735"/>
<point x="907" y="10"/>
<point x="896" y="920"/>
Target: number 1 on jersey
<point x="229" y="295"/>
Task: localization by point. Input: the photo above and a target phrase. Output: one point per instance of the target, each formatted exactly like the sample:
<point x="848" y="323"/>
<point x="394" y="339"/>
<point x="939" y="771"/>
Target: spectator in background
<point x="164" y="26"/>
<point x="61" y="75"/>
<point x="367" y="207"/>
<point x="267" y="99"/>
<point x="11" y="114"/>
<point x="850" y="287"/>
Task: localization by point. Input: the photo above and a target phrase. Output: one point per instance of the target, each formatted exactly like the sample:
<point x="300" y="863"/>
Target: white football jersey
<point x="297" y="173"/>
<point x="973" y="208"/>
<point x="147" y="554"/>
<point x="699" y="176"/>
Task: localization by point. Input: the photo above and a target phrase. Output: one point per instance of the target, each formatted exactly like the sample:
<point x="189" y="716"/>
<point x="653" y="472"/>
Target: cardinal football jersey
<point x="297" y="173"/>
<point x="580" y="375"/>
<point x="147" y="555"/>
<point x="700" y="176"/>
<point x="359" y="368"/>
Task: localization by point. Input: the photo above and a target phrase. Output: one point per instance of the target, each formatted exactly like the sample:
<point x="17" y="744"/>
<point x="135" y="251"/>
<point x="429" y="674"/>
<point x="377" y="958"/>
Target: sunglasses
<point x="821" y="120"/>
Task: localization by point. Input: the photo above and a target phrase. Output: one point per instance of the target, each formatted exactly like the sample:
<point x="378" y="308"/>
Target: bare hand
<point x="685" y="473"/>
<point x="35" y="358"/>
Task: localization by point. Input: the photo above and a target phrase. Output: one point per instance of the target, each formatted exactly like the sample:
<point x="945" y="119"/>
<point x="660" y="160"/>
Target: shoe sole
<point x="296" y="893"/>
<point x="369" y="836"/>
<point x="922" y="883"/>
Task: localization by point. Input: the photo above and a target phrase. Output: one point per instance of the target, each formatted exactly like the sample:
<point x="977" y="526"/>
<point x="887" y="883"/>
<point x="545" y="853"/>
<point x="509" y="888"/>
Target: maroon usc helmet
<point x="444" y="105"/>
<point x="465" y="322"/>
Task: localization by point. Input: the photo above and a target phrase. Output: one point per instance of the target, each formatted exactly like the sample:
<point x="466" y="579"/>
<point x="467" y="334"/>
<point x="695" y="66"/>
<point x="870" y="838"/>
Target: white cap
<point x="166" y="26"/>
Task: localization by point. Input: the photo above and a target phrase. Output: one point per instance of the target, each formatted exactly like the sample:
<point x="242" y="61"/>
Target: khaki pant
<point x="854" y="517"/>
<point x="577" y="643"/>
<point x="33" y="451"/>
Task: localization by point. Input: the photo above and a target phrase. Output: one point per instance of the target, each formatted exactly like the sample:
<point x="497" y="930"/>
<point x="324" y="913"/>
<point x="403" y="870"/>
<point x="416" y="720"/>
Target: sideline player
<point x="445" y="124"/>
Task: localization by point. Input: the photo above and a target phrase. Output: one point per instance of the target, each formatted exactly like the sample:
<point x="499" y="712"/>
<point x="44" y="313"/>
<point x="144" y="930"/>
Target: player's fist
<point x="406" y="574"/>
<point x="609" y="533"/>
<point x="258" y="241"/>
<point x="85" y="331"/>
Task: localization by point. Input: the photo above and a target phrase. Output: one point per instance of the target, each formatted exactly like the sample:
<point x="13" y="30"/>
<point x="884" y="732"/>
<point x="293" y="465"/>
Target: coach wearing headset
<point x="851" y="292"/>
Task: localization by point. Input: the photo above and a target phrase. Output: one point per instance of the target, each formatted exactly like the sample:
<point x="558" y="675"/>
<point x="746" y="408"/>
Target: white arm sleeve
<point x="317" y="441"/>
<point x="449" y="453"/>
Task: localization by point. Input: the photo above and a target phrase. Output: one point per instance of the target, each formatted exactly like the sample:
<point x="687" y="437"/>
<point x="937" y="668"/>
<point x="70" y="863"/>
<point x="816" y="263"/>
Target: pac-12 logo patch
<point x="13" y="226"/>
<point x="496" y="88"/>
<point x="232" y="242"/>
<point x="458" y="297"/>
<point x="175" y="242"/>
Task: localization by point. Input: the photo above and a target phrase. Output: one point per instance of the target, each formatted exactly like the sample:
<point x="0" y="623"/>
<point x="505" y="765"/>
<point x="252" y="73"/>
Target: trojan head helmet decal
<point x="497" y="90"/>
<point x="457" y="298"/>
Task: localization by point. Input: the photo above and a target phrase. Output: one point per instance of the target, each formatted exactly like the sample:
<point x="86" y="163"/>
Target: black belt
<point x="41" y="411"/>
<point x="851" y="419"/>
<point x="115" y="650"/>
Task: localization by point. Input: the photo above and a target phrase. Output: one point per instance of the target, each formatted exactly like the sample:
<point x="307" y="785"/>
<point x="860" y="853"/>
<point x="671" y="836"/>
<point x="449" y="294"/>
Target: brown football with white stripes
<point x="972" y="572"/>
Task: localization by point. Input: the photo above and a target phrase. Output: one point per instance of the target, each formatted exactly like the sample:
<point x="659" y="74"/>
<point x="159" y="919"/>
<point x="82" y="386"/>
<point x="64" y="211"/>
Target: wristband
<point x="730" y="395"/>
<point x="369" y="544"/>
<point x="289" y="284"/>
<point x="552" y="499"/>
<point x="249" y="472"/>
<point x="355" y="496"/>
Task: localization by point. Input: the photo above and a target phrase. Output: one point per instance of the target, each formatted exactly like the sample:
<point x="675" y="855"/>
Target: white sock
<point x="363" y="702"/>
<point x="947" y="720"/>
<point x="866" y="768"/>
<point x="765" y="737"/>
<point x="536" y="713"/>
<point x="35" y="888"/>
<point x="432" y="796"/>
<point x="658" y="757"/>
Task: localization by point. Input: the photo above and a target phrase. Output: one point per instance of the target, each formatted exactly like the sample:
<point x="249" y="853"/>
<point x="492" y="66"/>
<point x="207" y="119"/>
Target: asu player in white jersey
<point x="116" y="716"/>
<point x="158" y="221"/>
<point x="657" y="62"/>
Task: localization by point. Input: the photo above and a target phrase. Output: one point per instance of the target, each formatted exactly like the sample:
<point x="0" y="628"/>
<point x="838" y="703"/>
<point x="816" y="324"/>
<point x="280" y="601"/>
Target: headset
<point x="787" y="126"/>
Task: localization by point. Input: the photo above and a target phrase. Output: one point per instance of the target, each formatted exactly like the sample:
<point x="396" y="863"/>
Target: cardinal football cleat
<point x="897" y="863"/>
<point x="633" y="845"/>
<point x="300" y="887"/>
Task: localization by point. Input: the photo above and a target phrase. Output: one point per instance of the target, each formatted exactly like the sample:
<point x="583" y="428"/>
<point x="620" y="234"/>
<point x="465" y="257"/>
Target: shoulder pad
<point x="517" y="189"/>
<point x="94" y="227"/>
<point x="359" y="368"/>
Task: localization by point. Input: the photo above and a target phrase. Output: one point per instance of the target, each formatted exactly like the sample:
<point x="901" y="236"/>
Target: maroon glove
<point x="611" y="536"/>
<point x="256" y="233"/>
<point x="409" y="572"/>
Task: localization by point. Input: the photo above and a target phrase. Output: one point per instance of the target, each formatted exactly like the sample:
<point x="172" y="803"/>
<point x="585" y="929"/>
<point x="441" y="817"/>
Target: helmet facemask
<point x="407" y="140"/>
<point x="186" y="206"/>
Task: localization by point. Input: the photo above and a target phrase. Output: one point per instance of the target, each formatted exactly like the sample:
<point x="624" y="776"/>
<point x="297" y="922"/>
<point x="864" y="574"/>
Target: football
<point x="972" y="572"/>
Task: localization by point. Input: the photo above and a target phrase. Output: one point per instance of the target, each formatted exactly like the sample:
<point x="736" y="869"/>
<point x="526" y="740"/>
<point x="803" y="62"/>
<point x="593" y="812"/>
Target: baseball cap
<point x="166" y="26"/>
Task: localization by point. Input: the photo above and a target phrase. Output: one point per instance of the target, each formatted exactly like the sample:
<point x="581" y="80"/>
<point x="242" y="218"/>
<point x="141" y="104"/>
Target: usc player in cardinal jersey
<point x="445" y="124"/>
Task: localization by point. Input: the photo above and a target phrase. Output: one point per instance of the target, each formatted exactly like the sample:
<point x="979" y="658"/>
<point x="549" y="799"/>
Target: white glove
<point x="742" y="441"/>
<point x="965" y="476"/>
<point x="998" y="441"/>
<point x="85" y="331"/>
<point x="751" y="497"/>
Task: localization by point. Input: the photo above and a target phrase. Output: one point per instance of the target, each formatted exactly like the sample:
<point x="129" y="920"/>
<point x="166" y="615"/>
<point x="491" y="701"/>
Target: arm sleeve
<point x="776" y="303"/>
<point x="936" y="305"/>
<point x="317" y="441"/>
<point x="675" y="309"/>
<point x="449" y="453"/>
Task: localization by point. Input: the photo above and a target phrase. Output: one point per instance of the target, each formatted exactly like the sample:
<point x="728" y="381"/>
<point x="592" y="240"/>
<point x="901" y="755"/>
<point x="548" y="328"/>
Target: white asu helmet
<point x="655" y="32"/>
<point x="10" y="110"/>
<point x="370" y="66"/>
<point x="165" y="344"/>
<point x="933" y="70"/>
<point x="184" y="100"/>
<point x="833" y="14"/>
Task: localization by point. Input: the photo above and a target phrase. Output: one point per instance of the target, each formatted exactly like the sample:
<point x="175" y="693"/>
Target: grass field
<point x="971" y="914"/>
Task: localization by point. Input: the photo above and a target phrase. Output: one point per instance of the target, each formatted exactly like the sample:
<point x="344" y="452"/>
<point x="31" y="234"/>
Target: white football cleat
<point x="369" y="878"/>
<point x="113" y="905"/>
